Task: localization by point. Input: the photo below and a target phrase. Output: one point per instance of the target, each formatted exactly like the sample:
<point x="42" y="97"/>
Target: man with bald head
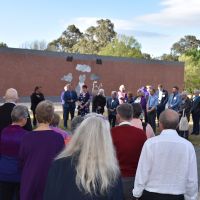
<point x="167" y="168"/>
<point x="11" y="98"/>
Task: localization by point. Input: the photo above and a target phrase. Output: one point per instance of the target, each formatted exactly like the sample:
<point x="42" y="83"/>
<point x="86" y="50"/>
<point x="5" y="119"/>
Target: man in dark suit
<point x="162" y="99"/>
<point x="11" y="97"/>
<point x="128" y="141"/>
<point x="70" y="98"/>
<point x="112" y="104"/>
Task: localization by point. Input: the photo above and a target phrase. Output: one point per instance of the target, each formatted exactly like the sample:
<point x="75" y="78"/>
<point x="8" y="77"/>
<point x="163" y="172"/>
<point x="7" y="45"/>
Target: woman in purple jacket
<point x="38" y="150"/>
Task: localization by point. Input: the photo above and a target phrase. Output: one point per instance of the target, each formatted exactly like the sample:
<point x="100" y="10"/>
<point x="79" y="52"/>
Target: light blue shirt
<point x="152" y="101"/>
<point x="174" y="101"/>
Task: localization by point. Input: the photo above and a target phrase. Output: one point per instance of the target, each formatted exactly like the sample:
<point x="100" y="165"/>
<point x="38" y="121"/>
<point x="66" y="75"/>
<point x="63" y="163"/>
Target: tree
<point x="123" y="46"/>
<point x="192" y="69"/>
<point x="104" y="32"/>
<point x="37" y="45"/>
<point x="67" y="40"/>
<point x="169" y="57"/>
<point x="3" y="44"/>
<point x="185" y="44"/>
<point x="146" y="56"/>
<point x="94" y="38"/>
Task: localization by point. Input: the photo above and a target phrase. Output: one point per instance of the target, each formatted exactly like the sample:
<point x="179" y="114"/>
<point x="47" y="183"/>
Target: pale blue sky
<point x="156" y="24"/>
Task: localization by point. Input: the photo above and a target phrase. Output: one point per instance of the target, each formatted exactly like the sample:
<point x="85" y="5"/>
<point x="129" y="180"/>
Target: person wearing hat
<point x="36" y="98"/>
<point x="11" y="98"/>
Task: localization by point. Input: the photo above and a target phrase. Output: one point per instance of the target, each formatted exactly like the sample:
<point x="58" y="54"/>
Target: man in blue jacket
<point x="70" y="98"/>
<point x="174" y="99"/>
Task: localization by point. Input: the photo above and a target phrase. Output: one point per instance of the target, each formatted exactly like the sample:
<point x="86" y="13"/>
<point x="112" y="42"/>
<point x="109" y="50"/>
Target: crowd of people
<point x="152" y="103"/>
<point x="113" y="156"/>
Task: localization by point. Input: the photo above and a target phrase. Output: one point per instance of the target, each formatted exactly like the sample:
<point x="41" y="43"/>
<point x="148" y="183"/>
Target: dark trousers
<point x="159" y="110"/>
<point x="67" y="111"/>
<point x="9" y="190"/>
<point x="128" y="185"/>
<point x="34" y="118"/>
<point x="112" y="120"/>
<point x="196" y="119"/>
<point x="152" y="119"/>
<point x="156" y="196"/>
<point x="184" y="134"/>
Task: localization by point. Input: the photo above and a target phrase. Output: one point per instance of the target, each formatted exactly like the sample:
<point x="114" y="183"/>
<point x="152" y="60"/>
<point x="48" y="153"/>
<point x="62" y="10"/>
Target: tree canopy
<point x="123" y="46"/>
<point x="94" y="38"/>
<point x="185" y="44"/>
<point x="2" y="44"/>
<point x="192" y="69"/>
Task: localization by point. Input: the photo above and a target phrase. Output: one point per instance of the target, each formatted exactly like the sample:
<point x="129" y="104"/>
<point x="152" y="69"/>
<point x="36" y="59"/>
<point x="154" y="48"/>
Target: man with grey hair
<point x="11" y="98"/>
<point x="128" y="141"/>
<point x="167" y="168"/>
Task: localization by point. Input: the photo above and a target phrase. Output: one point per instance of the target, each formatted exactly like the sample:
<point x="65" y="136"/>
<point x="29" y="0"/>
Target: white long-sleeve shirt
<point x="167" y="165"/>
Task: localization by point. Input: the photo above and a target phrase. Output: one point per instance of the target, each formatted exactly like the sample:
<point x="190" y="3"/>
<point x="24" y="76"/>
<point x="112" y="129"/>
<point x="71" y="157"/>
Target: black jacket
<point x="36" y="98"/>
<point x="61" y="184"/>
<point x="5" y="117"/>
<point x="98" y="104"/>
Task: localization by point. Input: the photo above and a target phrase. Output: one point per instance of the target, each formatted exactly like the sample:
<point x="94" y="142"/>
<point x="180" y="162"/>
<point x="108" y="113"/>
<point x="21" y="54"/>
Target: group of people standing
<point x="99" y="162"/>
<point x="153" y="102"/>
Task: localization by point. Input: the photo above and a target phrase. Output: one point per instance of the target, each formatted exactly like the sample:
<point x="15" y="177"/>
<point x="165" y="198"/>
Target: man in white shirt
<point x="167" y="167"/>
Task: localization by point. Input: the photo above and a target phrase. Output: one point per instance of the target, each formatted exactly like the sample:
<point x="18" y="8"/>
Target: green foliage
<point x="67" y="40"/>
<point x="3" y="44"/>
<point x="94" y="38"/>
<point x="123" y="46"/>
<point x="169" y="57"/>
<point x="185" y="44"/>
<point x="146" y="56"/>
<point x="192" y="69"/>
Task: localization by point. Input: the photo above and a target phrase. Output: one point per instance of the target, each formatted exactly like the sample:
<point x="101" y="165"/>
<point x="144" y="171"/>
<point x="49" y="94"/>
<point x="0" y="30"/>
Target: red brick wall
<point x="24" y="69"/>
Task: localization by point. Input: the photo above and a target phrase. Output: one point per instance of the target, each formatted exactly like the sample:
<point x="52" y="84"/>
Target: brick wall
<point x="24" y="69"/>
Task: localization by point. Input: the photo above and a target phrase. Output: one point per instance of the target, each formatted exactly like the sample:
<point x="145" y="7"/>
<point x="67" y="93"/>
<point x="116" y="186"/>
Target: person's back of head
<point x="169" y="119"/>
<point x="76" y="121"/>
<point x="125" y="112"/>
<point x="96" y="168"/>
<point x="137" y="110"/>
<point x="56" y="120"/>
<point x="11" y="95"/>
<point x="44" y="112"/>
<point x="19" y="115"/>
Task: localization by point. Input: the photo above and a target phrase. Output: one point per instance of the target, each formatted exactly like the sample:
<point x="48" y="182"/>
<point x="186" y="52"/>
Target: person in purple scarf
<point x="11" y="138"/>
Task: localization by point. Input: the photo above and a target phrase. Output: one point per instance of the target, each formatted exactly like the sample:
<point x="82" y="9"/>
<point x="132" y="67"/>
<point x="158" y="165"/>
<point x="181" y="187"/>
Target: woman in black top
<point x="87" y="169"/>
<point x="99" y="102"/>
<point x="36" y="98"/>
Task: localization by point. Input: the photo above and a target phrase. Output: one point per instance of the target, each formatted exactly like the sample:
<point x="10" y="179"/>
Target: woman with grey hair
<point x="38" y="149"/>
<point x="87" y="169"/>
<point x="11" y="138"/>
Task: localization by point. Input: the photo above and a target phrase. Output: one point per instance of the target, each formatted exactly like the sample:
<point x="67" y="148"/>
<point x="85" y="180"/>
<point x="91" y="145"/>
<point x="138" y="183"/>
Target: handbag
<point x="183" y="124"/>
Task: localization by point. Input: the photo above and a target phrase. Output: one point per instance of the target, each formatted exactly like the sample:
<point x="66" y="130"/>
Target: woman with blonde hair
<point x="87" y="169"/>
